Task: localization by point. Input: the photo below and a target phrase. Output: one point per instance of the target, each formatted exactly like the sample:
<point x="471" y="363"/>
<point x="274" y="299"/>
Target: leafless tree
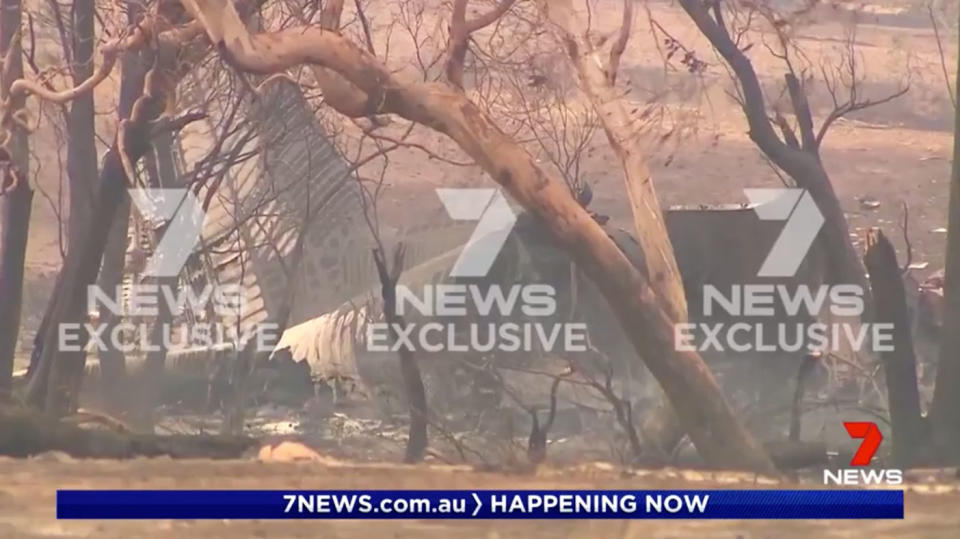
<point x="55" y="381"/>
<point x="16" y="195"/>
<point x="796" y="148"/>
<point x="946" y="398"/>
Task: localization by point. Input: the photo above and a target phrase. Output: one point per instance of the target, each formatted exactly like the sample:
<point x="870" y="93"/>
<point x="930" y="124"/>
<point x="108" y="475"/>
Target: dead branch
<point x="899" y="363"/>
<point x="943" y="56"/>
<point x="109" y="52"/>
<point x="754" y="105"/>
<point x="620" y="45"/>
<point x="905" y="229"/>
<point x="622" y="409"/>
<point x="801" y="108"/>
<point x="413" y="382"/>
<point x="168" y="123"/>
<point x="29" y="433"/>
<point x="537" y="442"/>
<point x="854" y="105"/>
<point x="365" y="24"/>
<point x="806" y="367"/>
<point x="460" y="32"/>
<point x="32" y="61"/>
<point x="399" y="143"/>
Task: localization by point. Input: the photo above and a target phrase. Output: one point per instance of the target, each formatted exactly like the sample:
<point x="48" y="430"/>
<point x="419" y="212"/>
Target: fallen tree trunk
<point x="793" y="455"/>
<point x="24" y="433"/>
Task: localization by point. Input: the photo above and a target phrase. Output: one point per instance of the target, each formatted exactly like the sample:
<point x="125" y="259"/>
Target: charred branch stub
<point x="910" y="431"/>
<point x="389" y="274"/>
<point x="537" y="442"/>
<point x="10" y="176"/>
<point x="807" y="366"/>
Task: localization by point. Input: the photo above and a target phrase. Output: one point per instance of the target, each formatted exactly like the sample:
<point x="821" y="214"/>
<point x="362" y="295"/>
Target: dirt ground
<point x="27" y="502"/>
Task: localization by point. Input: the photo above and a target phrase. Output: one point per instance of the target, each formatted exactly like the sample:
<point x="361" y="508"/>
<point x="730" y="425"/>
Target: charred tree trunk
<point x="42" y="331"/>
<point x="161" y="174"/>
<point x="81" y="138"/>
<point x="899" y="364"/>
<point x="409" y="370"/>
<point x="946" y="398"/>
<point x="56" y="383"/>
<point x="113" y="371"/>
<point x="15" y="205"/>
<point x="248" y="356"/>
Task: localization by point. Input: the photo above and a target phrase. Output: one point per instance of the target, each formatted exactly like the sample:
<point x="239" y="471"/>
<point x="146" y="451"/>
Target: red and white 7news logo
<point x="872" y="437"/>
<point x="871" y="441"/>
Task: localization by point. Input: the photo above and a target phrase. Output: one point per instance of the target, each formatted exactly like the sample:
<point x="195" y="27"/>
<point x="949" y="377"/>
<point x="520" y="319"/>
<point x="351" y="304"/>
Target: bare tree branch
<point x="620" y="45"/>
<point x="460" y="31"/>
<point x="943" y="57"/>
<point x="801" y="109"/>
<point x="754" y="104"/>
<point x="853" y="106"/>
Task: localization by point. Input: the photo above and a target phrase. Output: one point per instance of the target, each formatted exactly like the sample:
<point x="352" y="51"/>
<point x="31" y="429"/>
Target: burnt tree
<point x="16" y="195"/>
<point x="389" y="274"/>
<point x="946" y="397"/>
<point x="899" y="364"/>
<point x="796" y="151"/>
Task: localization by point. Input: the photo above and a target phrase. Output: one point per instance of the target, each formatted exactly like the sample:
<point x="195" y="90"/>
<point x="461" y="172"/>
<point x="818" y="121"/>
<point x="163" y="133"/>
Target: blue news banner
<point x="480" y="504"/>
